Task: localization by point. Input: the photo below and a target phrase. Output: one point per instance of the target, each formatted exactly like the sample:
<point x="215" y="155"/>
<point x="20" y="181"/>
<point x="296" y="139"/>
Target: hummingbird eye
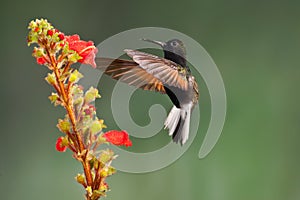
<point x="174" y="43"/>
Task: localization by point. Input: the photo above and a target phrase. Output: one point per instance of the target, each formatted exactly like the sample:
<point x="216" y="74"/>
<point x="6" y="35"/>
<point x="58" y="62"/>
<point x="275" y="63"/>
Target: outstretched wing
<point x="164" y="70"/>
<point x="131" y="73"/>
<point x="146" y="71"/>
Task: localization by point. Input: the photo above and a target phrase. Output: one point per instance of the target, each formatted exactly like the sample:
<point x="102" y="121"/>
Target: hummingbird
<point x="169" y="75"/>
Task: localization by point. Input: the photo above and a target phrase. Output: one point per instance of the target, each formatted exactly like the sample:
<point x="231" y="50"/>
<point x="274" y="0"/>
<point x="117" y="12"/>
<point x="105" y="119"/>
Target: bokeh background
<point x="256" y="45"/>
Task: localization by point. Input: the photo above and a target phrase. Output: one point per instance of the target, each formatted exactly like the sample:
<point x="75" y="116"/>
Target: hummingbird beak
<point x="162" y="44"/>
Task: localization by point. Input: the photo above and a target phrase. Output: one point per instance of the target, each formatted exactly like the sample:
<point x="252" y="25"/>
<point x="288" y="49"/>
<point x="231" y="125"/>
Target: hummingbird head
<point x="175" y="46"/>
<point x="174" y="50"/>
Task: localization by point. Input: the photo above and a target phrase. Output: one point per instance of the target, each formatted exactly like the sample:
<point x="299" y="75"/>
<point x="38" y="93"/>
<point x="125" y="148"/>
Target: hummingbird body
<point x="169" y="75"/>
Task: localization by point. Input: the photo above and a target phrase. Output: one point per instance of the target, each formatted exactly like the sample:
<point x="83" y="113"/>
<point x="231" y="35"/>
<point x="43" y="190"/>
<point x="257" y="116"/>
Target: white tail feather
<point x="178" y="123"/>
<point x="172" y="120"/>
<point x="184" y="134"/>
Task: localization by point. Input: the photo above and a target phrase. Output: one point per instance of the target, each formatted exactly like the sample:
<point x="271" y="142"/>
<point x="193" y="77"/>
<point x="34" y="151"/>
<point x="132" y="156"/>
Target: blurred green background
<point x="256" y="45"/>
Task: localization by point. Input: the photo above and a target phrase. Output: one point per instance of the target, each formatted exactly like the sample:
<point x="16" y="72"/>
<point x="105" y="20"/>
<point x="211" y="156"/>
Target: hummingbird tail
<point x="178" y="123"/>
<point x="172" y="120"/>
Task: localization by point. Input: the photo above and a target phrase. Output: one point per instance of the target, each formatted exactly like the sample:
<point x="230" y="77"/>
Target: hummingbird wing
<point x="164" y="70"/>
<point x="131" y="73"/>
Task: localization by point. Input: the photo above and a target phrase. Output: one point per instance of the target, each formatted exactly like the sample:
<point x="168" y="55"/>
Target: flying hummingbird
<point x="169" y="75"/>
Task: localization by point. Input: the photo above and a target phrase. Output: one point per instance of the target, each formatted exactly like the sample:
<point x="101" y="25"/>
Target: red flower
<point x="50" y="32"/>
<point x="86" y="50"/>
<point x="61" y="36"/>
<point x="59" y="146"/>
<point x="118" y="138"/>
<point x="41" y="60"/>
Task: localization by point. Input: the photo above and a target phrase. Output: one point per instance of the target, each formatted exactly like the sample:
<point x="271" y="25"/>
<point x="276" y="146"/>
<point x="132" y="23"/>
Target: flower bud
<point x="53" y="98"/>
<point x="64" y="125"/>
<point x="95" y="127"/>
<point x="51" y="79"/>
<point x="80" y="179"/>
<point x="91" y="95"/>
<point x="50" y="32"/>
<point x="75" y="76"/>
